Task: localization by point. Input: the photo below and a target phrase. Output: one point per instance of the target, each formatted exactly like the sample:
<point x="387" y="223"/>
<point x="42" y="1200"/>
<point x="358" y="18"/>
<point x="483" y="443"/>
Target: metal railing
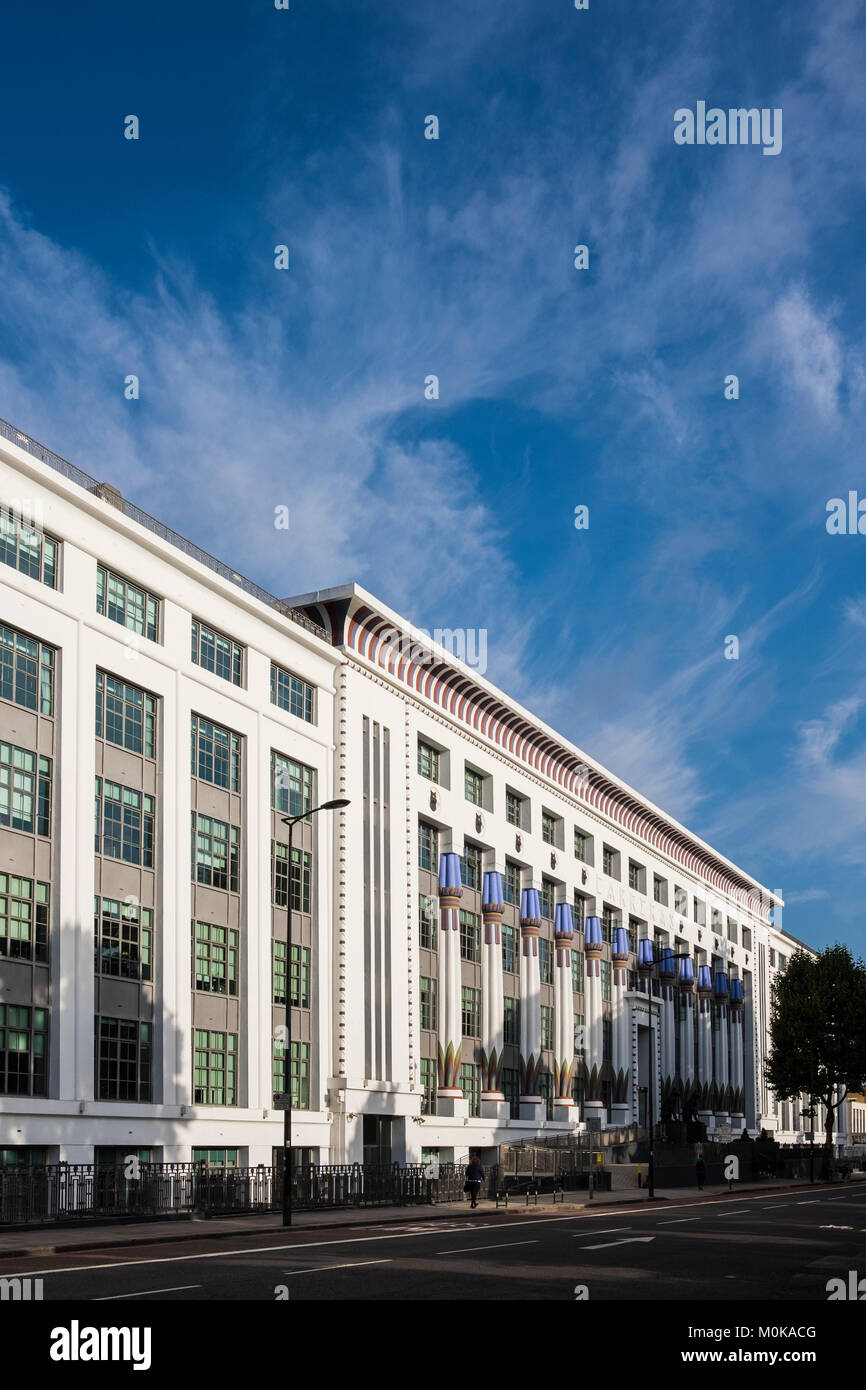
<point x="71" y="1192"/>
<point x="88" y="1192"/>
<point x="150" y="523"/>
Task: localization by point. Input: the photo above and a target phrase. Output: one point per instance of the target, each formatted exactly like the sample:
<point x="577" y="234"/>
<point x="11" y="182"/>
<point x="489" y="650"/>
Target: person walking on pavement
<point x="474" y="1179"/>
<point x="701" y="1172"/>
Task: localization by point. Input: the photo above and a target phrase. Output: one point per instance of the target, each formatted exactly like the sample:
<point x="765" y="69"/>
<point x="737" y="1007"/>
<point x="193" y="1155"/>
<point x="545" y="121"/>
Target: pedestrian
<point x="701" y="1172"/>
<point x="474" y="1178"/>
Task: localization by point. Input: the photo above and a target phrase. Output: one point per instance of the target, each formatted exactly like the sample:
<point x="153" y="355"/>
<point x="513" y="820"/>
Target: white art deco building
<point x="496" y="938"/>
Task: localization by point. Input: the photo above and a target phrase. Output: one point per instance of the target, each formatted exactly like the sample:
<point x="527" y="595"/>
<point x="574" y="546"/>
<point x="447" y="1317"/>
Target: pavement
<point x="50" y="1240"/>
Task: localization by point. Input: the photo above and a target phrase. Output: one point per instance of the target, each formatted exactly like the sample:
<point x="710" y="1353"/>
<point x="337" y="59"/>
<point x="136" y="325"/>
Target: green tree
<point x="818" y="1032"/>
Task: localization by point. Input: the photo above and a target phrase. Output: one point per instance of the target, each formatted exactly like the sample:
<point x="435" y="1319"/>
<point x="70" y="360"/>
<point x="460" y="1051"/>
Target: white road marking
<point x="350" y="1240"/>
<point x="679" y="1221"/>
<point x="325" y="1269"/>
<point x="143" y="1293"/>
<point x="744" y="1211"/>
<point x="610" y="1231"/>
<point x="468" y="1250"/>
<point x="629" y="1240"/>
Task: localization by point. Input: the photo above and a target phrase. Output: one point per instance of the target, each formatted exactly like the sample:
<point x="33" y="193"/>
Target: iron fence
<point x="73" y="1192"/>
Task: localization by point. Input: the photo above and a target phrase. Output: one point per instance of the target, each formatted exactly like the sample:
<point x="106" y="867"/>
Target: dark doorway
<point x="377" y="1140"/>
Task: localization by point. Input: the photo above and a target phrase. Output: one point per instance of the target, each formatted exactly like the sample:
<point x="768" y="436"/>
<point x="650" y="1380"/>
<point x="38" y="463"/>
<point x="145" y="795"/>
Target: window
<point x="608" y="862"/>
<point x="509" y="951"/>
<point x="125" y="715"/>
<point x="429" y="1083"/>
<point x="123" y="1058"/>
<point x="291" y="786"/>
<point x="123" y="823"/>
<point x="215" y="1073"/>
<point x="215" y="754"/>
<point x="24" y="906"/>
<point x="300" y="977"/>
<point x="545" y="961"/>
<point x="26" y="671"/>
<point x="428" y="761"/>
<point x="427" y="921"/>
<point x="216" y="959"/>
<point x="732" y="930"/>
<point x="577" y="975"/>
<point x="428" y="1003"/>
<point x="23" y="1051"/>
<point x="511" y="1032"/>
<point x="605" y="979"/>
<point x="546" y="1026"/>
<point x="717" y="920"/>
<point x="511" y="883"/>
<point x="581" y="846"/>
<point x="548" y="828"/>
<point x="428" y="847"/>
<point x="25" y="790"/>
<point x="609" y="920"/>
<point x="216" y="1158"/>
<point x="545" y="1090"/>
<point x="213" y="651"/>
<point x="772" y="958"/>
<point x="513" y="808"/>
<point x="280" y="877"/>
<point x="579" y="911"/>
<point x="27" y="549"/>
<point x="473" y="784"/>
<point x="783" y="961"/>
<point x="699" y="912"/>
<point x="635" y="876"/>
<point x="470" y="866"/>
<point x="511" y="1089"/>
<point x="545" y="897"/>
<point x="470" y="1085"/>
<point x="299" y="1075"/>
<point x="470" y="935"/>
<point x="470" y="1000"/>
<point x="747" y="938"/>
<point x="633" y="932"/>
<point x="215" y="853"/>
<point x="291" y="693"/>
<point x="123" y="602"/>
<point x="122" y="939"/>
<point x="660" y="890"/>
<point x="681" y="901"/>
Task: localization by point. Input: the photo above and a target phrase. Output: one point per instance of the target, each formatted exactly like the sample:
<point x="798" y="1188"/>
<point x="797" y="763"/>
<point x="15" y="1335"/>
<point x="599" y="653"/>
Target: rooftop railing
<point x="110" y="494"/>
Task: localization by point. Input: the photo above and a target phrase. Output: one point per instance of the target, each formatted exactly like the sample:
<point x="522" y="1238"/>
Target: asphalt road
<point x="755" y="1247"/>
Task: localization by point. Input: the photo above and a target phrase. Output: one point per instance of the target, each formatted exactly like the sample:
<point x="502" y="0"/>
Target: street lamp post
<point x="291" y="822"/>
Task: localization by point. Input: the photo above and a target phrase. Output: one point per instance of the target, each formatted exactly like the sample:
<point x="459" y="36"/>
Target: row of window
<point x="124" y="1058"/>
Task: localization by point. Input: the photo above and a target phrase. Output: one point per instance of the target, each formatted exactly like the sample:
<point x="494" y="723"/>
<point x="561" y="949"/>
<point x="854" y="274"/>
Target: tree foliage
<point x="818" y="1030"/>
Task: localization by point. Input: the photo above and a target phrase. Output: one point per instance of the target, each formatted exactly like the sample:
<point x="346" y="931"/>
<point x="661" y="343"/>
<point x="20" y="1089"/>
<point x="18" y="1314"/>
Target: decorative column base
<point x="620" y="1113"/>
<point x="594" y="1114"/>
<point x="738" y="1121"/>
<point x="532" y="1108"/>
<point x="722" y="1117"/>
<point x="563" y="1110"/>
<point x="494" y="1106"/>
<point x="452" y="1104"/>
<point x="705" y="1117"/>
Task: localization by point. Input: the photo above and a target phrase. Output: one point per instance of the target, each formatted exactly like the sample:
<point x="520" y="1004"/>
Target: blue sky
<point x="557" y="387"/>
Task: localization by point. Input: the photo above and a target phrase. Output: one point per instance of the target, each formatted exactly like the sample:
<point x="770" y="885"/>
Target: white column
<point x="449" y="1096"/>
<point x="531" y="1103"/>
<point x="494" y="1106"/>
<point x="667" y="978"/>
<point x="705" y="1046"/>
<point x="620" y="1108"/>
<point x="687" y="1030"/>
<point x="723" y="1080"/>
<point x="564" y="1039"/>
<point x="738" y="1103"/>
<point x="593" y="1106"/>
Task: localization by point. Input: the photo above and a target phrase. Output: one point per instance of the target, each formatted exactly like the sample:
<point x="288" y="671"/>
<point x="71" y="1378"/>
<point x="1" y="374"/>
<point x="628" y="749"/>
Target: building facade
<point x="496" y="938"/>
